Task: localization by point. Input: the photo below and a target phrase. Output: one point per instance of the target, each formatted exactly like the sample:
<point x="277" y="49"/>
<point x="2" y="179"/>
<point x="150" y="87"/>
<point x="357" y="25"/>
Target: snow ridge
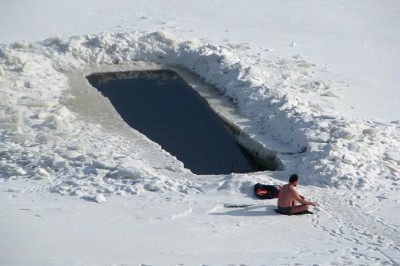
<point x="42" y="139"/>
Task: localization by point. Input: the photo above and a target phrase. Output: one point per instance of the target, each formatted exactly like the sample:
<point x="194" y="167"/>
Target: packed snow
<point x="312" y="84"/>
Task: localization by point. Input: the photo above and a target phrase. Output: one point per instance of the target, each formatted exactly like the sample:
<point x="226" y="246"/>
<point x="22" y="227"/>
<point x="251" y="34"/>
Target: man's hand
<point x="313" y="203"/>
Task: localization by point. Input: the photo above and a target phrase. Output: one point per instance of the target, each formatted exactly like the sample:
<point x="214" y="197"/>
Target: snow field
<point x="331" y="150"/>
<point x="170" y="228"/>
<point x="51" y="143"/>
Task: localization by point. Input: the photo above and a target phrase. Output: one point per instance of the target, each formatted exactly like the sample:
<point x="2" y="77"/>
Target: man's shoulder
<point x="291" y="188"/>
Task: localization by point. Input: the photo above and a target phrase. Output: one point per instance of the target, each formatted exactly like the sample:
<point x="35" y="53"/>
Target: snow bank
<point x="42" y="138"/>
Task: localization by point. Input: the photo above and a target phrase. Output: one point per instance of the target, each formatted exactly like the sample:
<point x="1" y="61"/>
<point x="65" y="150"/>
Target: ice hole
<point x="162" y="106"/>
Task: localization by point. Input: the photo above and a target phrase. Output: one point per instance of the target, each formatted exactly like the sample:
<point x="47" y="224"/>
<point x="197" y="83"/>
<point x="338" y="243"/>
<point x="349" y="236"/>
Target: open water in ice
<point x="162" y="106"/>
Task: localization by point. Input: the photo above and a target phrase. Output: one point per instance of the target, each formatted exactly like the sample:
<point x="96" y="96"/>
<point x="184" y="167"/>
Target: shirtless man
<point x="288" y="196"/>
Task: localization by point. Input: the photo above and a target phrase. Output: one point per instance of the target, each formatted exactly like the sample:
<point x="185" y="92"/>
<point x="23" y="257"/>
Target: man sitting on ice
<point x="288" y="196"/>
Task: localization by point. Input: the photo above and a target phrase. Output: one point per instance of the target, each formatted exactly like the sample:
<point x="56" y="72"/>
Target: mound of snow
<point x="42" y="137"/>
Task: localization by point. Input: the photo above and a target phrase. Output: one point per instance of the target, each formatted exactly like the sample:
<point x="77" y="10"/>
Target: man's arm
<point x="301" y="199"/>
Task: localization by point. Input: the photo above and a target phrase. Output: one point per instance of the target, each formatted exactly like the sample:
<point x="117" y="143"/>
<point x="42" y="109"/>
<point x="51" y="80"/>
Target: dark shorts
<point x="284" y="210"/>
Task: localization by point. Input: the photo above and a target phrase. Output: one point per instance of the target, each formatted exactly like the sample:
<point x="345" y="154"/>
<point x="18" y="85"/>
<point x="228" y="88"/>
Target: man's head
<point x="294" y="179"/>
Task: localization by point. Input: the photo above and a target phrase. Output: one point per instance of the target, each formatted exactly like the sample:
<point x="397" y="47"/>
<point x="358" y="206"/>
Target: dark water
<point x="162" y="106"/>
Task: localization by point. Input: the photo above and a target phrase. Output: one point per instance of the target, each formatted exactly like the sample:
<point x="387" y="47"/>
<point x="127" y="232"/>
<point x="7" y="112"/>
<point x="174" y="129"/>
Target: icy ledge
<point x="95" y="108"/>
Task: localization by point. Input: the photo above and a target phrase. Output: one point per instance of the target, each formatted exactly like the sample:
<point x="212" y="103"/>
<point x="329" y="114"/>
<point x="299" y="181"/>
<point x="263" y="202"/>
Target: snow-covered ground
<point x="314" y="82"/>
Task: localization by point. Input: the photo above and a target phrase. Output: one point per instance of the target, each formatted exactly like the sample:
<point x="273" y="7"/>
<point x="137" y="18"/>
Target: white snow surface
<point x="314" y="82"/>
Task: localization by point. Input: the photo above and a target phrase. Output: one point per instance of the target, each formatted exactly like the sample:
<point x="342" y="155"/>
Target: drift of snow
<point x="60" y="135"/>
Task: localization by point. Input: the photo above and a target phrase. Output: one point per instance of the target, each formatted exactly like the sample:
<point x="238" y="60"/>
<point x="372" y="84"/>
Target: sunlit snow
<point x="312" y="84"/>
